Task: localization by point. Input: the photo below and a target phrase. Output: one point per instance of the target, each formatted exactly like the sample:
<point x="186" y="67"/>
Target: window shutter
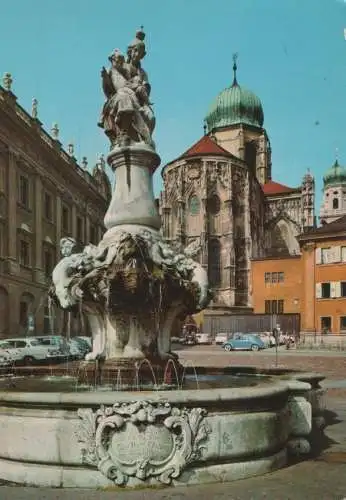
<point x="343" y="254"/>
<point x="333" y="289"/>
<point x="318" y="254"/>
<point x="337" y="289"/>
<point x="318" y="290"/>
<point x="337" y="254"/>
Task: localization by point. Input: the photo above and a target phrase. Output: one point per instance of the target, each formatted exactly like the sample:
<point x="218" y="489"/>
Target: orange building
<point x="277" y="285"/>
<point x="324" y="270"/>
<point x="312" y="284"/>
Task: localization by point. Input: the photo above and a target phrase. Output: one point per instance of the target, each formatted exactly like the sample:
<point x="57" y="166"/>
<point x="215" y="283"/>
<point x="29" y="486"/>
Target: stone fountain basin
<point x="46" y="439"/>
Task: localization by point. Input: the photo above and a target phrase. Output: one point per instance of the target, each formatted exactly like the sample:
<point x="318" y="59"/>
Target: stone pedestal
<point x="133" y="199"/>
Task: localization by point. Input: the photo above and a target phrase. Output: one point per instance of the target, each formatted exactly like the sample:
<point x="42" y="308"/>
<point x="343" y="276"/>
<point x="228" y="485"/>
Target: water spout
<point x="189" y="364"/>
<point x="166" y="374"/>
<point x="145" y="361"/>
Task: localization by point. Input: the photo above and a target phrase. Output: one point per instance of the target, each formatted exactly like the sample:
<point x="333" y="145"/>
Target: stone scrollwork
<point x="142" y="439"/>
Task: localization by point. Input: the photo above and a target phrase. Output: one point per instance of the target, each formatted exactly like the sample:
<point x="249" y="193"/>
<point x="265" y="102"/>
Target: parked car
<point x="5" y="358"/>
<point x="221" y="338"/>
<point x="30" y="350"/>
<point x="267" y="337"/>
<point x="87" y="340"/>
<point x="204" y="338"/>
<point x="57" y="346"/>
<point x="244" y="342"/>
<point x="190" y="339"/>
<point x="14" y="354"/>
<point x="78" y="347"/>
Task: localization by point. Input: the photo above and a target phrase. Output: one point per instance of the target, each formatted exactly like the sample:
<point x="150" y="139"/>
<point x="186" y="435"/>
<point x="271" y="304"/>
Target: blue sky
<point x="292" y="54"/>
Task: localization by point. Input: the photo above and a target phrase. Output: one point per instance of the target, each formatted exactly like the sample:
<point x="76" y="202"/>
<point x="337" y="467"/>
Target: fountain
<point x="176" y="425"/>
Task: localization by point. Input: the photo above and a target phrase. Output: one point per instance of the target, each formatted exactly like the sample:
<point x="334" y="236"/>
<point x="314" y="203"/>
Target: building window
<point x="214" y="205"/>
<point x="48" y="207"/>
<point x="274" y="277"/>
<point x="48" y="261"/>
<point x="342" y="323"/>
<point x="24" y="191"/>
<point x="335" y="203"/>
<point x="80" y="231"/>
<point x="343" y="289"/>
<point x="326" y="324"/>
<point x="274" y="306"/>
<point x="325" y="254"/>
<point x="24" y="253"/>
<point x="65" y="219"/>
<point x="93" y="235"/>
<point x="214" y="262"/>
<point x="325" y="288"/>
<point x="23" y="313"/>
<point x="46" y="320"/>
<point x="250" y="156"/>
<point x="194" y="205"/>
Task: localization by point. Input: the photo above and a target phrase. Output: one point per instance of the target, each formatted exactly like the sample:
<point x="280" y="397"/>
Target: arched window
<point x="214" y="263"/>
<point x="335" y="203"/>
<point x="194" y="205"/>
<point x="214" y="205"/>
<point x="26" y="312"/>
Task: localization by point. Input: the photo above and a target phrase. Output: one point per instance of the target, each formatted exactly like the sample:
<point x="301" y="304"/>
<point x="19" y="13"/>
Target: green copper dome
<point x="235" y="105"/>
<point x="335" y="176"/>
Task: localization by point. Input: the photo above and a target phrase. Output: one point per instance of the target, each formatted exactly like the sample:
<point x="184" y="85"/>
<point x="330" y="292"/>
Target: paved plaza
<point x="320" y="478"/>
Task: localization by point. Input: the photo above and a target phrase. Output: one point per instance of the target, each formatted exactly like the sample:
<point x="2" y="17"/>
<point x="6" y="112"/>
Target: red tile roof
<point x="272" y="188"/>
<point x="205" y="146"/>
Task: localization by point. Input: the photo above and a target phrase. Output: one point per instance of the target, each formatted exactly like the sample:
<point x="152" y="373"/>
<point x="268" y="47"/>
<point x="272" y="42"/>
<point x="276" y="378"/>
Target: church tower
<point x="334" y="194"/>
<point x="308" y="202"/>
<point x="235" y="122"/>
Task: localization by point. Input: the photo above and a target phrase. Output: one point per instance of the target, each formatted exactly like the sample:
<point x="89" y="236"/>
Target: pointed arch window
<point x="214" y="262"/>
<point x="214" y="205"/>
<point x="335" y="203"/>
<point x="194" y="205"/>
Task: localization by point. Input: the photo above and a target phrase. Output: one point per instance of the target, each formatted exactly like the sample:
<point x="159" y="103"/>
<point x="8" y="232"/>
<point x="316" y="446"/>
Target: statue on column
<point x="127" y="116"/>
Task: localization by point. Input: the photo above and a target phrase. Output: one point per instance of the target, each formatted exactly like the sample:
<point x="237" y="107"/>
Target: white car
<point x="5" y="358"/>
<point x="29" y="350"/>
<point x="221" y="338"/>
<point x="204" y="338"/>
<point x="14" y="354"/>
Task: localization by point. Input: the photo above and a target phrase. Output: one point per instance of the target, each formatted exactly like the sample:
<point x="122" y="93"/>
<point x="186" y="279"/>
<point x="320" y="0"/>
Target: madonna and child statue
<point x="133" y="286"/>
<point x="127" y="116"/>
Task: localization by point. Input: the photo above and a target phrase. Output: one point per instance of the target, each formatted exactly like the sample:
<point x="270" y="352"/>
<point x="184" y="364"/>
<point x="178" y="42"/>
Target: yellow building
<point x="44" y="195"/>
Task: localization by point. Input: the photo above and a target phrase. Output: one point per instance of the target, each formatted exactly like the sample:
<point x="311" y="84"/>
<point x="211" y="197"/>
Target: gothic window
<point x="194" y="205"/>
<point x="214" y="263"/>
<point x="335" y="203"/>
<point x="214" y="205"/>
<point x="250" y="156"/>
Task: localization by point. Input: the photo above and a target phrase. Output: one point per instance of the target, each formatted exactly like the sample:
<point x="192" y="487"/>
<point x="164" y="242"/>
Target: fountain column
<point x="133" y="199"/>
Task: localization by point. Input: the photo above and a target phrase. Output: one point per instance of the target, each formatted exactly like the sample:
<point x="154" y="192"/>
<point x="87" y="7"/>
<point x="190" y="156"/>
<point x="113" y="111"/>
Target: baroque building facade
<point x="44" y="196"/>
<point x="221" y="192"/>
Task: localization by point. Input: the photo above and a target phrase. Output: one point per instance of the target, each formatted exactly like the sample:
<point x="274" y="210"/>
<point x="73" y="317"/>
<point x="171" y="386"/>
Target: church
<point x="221" y="192"/>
